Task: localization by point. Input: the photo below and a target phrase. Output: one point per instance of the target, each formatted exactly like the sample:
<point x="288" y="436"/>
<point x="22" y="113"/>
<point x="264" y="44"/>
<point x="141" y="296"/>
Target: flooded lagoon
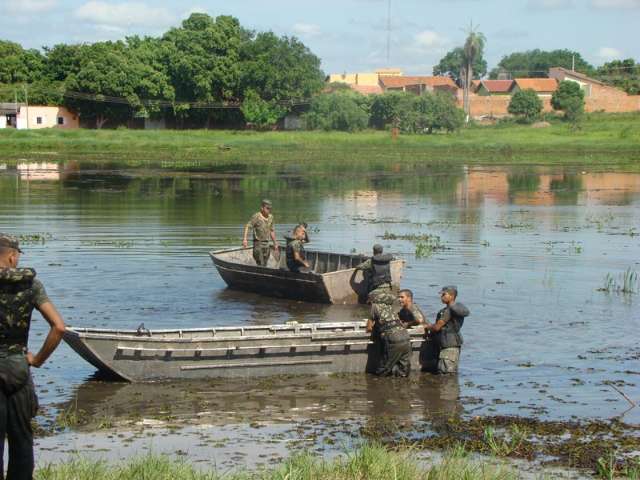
<point x="529" y="248"/>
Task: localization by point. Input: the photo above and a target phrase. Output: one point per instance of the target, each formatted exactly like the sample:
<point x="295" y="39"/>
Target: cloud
<point x="30" y="6"/>
<point x="125" y="14"/>
<point x="428" y="39"/>
<point x="609" y="53"/>
<point x="616" y="3"/>
<point x="306" y="29"/>
<point x="549" y="4"/>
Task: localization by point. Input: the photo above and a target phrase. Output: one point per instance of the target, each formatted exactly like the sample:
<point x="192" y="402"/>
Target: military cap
<point x="377" y="248"/>
<point x="266" y="203"/>
<point x="452" y="289"/>
<point x="386" y="298"/>
<point x="9" y="241"/>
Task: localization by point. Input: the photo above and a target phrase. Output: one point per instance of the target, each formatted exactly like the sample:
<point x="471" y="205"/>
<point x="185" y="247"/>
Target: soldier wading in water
<point x="440" y="352"/>
<point x="262" y="225"/>
<point x="390" y="336"/>
<point x="20" y="293"/>
<point x="377" y="271"/>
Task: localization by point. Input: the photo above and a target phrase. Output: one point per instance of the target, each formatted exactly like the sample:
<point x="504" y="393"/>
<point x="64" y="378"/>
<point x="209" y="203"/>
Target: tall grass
<point x="367" y="462"/>
<point x="599" y="141"/>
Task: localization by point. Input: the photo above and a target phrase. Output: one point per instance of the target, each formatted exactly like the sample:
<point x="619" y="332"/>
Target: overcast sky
<point x="351" y="35"/>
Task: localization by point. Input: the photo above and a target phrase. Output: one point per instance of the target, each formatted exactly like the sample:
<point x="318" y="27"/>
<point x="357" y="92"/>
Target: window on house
<point x="60" y="120"/>
<point x="39" y="120"/>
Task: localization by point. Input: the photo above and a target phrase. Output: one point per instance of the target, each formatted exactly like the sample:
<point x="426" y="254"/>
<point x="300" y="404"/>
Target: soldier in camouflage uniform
<point x="20" y="293"/>
<point x="390" y="336"/>
<point x="440" y="352"/>
<point x="377" y="271"/>
<point x="296" y="261"/>
<point x="262" y="225"/>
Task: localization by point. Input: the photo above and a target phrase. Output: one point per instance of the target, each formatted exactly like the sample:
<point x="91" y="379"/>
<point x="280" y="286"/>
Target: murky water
<point x="528" y="249"/>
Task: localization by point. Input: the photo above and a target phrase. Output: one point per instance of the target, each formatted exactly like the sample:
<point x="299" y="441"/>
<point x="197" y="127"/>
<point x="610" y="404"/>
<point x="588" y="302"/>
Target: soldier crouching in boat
<point x="440" y="352"/>
<point x="377" y="271"/>
<point x="390" y="336"/>
<point x="20" y="293"/>
<point x="296" y="261"/>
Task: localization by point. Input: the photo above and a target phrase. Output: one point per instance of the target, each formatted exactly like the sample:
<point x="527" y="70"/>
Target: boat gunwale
<point x="213" y="254"/>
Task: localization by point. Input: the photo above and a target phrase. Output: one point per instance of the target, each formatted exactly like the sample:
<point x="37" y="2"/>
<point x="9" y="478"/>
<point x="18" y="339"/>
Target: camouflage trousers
<point x="261" y="253"/>
<point x="395" y="357"/>
<point x="18" y="405"/>
<point x="439" y="360"/>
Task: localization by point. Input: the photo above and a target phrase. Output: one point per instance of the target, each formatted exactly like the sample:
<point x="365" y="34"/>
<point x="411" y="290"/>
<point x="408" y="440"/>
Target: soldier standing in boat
<point x="443" y="340"/>
<point x="410" y="313"/>
<point x="391" y="338"/>
<point x="263" y="231"/>
<point x="20" y="293"/>
<point x="377" y="270"/>
<point x="296" y="261"/>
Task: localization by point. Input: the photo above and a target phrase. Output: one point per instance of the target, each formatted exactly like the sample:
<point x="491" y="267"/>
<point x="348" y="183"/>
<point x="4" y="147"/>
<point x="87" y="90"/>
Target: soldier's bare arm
<point x="431" y="327"/>
<point x="275" y="242"/>
<point x="245" y="244"/>
<point x="56" y="330"/>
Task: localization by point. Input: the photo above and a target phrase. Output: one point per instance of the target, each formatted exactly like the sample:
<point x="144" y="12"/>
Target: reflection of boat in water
<point x="279" y="400"/>
<point x="333" y="278"/>
<point x="252" y="351"/>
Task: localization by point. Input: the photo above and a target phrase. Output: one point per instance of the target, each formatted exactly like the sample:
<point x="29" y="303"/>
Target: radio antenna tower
<point x="389" y="32"/>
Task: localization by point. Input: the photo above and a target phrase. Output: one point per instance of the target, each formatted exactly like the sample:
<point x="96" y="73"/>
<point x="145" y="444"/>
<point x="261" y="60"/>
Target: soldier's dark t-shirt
<point x="412" y="316"/>
<point x="20" y="293"/>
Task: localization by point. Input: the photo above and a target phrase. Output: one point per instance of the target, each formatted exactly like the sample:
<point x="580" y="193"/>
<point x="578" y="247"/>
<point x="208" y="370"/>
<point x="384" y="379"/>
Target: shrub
<point x="569" y="98"/>
<point x="385" y="108"/>
<point x="260" y="113"/>
<point x="526" y="105"/>
<point x="346" y="111"/>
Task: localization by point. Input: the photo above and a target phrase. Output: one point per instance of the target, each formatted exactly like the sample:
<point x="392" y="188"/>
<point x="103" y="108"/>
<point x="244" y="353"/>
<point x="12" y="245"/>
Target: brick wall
<point x="611" y="99"/>
<point x="608" y="99"/>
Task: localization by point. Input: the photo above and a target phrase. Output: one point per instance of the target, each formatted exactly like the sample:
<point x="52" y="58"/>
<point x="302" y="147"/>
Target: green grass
<point x="368" y="462"/>
<point x="605" y="138"/>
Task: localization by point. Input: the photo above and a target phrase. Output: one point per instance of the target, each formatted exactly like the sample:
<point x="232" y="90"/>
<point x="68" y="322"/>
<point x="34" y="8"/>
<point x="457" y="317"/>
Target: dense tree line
<point x="204" y="61"/>
<point x="346" y="110"/>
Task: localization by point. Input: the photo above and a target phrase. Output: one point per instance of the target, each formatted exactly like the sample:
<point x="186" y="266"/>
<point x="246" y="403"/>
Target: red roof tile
<point x="399" y="82"/>
<point x="540" y="85"/>
<point x="497" y="86"/>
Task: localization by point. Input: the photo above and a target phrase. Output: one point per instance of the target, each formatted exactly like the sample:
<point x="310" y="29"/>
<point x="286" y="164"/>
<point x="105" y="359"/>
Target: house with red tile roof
<point x="494" y="87"/>
<point x="542" y="86"/>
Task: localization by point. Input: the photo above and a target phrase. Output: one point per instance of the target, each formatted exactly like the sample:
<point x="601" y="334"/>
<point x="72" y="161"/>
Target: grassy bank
<point x="369" y="462"/>
<point x="605" y="138"/>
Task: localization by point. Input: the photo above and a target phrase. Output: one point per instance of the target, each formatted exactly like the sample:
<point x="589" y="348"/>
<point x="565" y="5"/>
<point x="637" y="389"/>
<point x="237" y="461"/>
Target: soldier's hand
<point x="31" y="360"/>
<point x="276" y="247"/>
<point x="245" y="244"/>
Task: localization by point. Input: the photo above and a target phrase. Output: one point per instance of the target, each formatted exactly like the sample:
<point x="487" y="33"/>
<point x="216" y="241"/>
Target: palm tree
<point x="473" y="47"/>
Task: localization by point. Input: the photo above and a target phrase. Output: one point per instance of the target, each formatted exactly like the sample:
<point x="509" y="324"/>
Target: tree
<point x="569" y="98"/>
<point x="261" y="113"/>
<point x="385" y="108"/>
<point x="526" y="104"/>
<point x="279" y="68"/>
<point x="472" y="50"/>
<point x="19" y="65"/>
<point x="624" y="74"/>
<point x="338" y="111"/>
<point x="112" y="69"/>
<point x="536" y="63"/>
<point x="452" y="63"/>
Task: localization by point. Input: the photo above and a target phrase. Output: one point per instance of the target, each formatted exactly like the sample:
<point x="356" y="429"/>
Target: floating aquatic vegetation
<point x="35" y="238"/>
<point x="109" y="243"/>
<point x="426" y="248"/>
<point x="626" y="283"/>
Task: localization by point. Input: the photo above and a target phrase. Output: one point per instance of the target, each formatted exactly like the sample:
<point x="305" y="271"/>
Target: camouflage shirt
<point x="261" y="226"/>
<point x="385" y="317"/>
<point x="20" y="293"/>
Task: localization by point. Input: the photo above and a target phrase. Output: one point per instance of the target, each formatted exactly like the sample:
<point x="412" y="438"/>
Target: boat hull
<point x="231" y="352"/>
<point x="334" y="279"/>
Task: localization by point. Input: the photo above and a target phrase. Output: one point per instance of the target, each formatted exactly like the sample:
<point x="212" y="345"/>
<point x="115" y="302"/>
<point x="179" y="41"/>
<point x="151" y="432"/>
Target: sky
<point x="351" y="35"/>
